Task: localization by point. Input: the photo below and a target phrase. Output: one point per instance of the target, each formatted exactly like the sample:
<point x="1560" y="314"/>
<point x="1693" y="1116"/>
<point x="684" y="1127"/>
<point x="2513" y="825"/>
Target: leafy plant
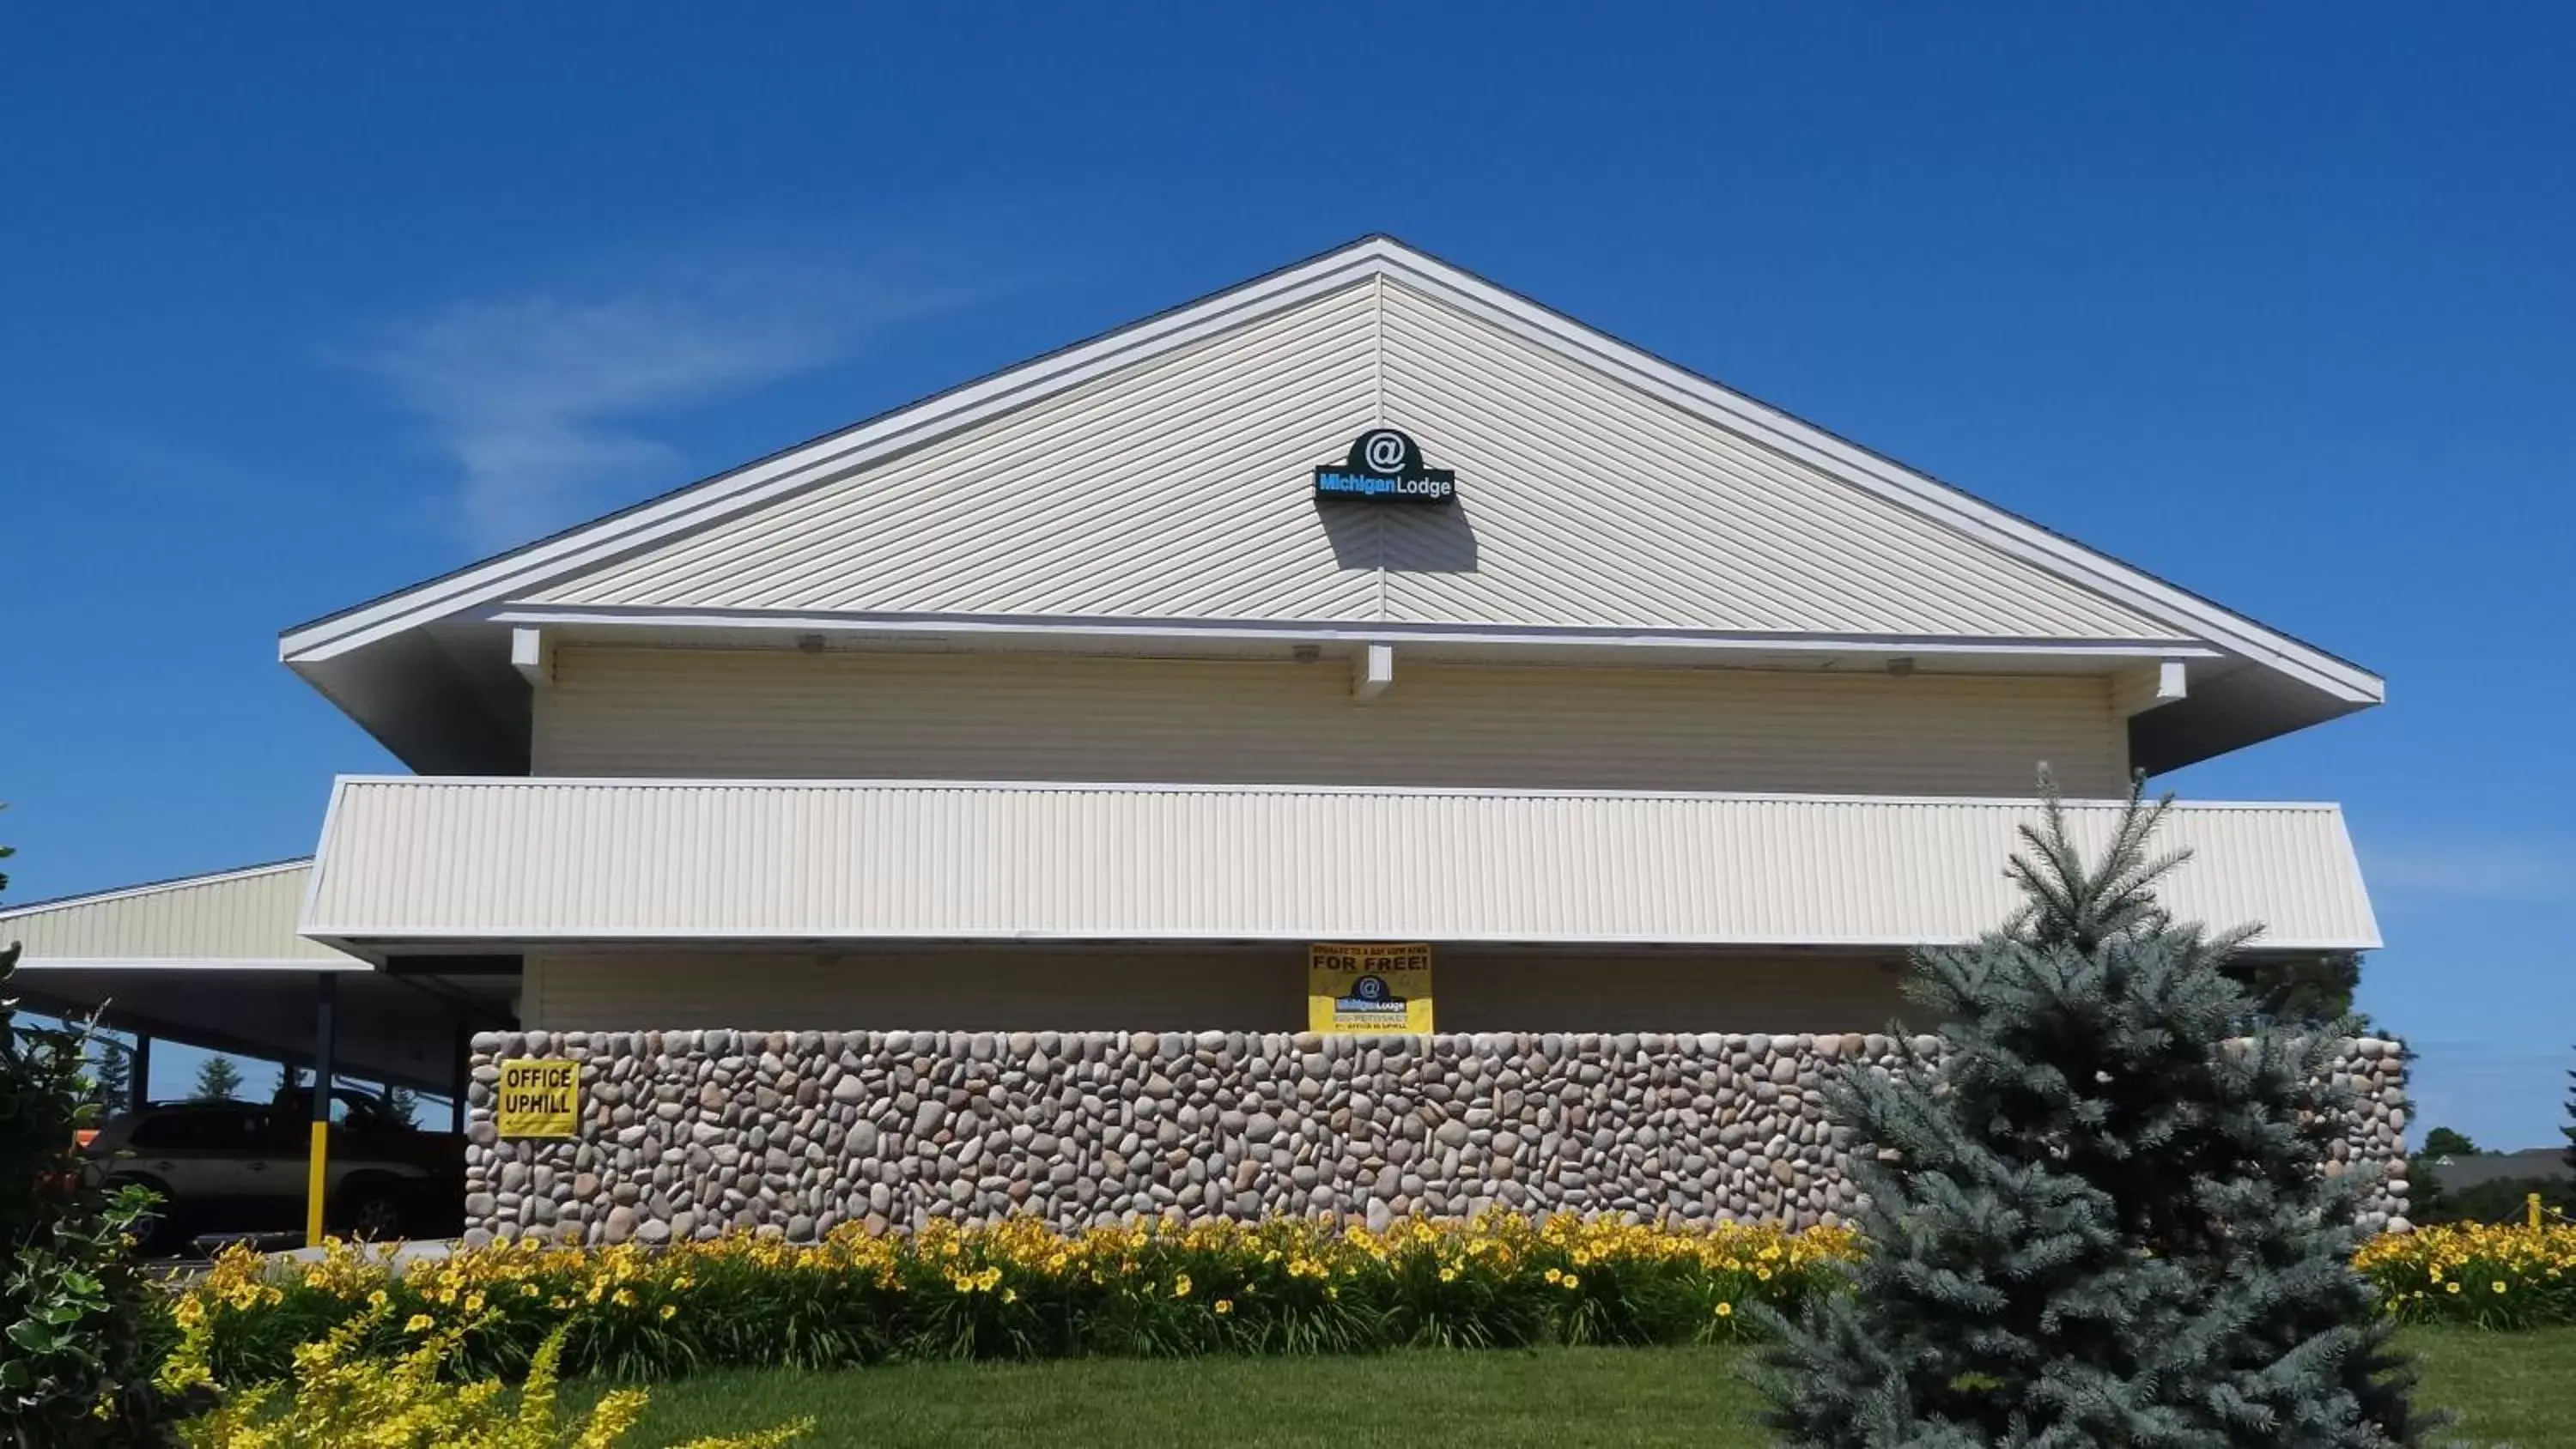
<point x="1016" y="1290"/>
<point x="340" y="1395"/>
<point x="2506" y="1276"/>
<point x="79" y="1331"/>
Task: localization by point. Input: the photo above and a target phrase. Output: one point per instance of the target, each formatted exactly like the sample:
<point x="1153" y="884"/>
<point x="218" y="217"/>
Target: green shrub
<point x="2502" y="1200"/>
<point x="78" y="1321"/>
<point x="338" y="1396"/>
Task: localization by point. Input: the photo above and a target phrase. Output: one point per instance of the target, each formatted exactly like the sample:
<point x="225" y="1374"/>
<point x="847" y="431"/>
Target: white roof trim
<point x="1303" y="631"/>
<point x="185" y="882"/>
<point x="727" y="494"/>
<point x="340" y="785"/>
<point x="268" y="964"/>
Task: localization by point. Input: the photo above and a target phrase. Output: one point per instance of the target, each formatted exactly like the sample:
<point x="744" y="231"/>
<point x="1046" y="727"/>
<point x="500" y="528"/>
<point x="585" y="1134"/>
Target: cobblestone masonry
<point x="687" y="1133"/>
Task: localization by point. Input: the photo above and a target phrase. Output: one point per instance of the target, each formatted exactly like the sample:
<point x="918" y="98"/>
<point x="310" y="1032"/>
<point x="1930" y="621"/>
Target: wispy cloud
<point x="2523" y="871"/>
<point x="544" y="398"/>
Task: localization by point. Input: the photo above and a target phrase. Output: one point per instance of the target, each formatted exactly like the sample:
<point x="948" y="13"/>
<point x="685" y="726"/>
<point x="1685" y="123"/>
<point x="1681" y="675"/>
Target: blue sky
<point x="305" y="304"/>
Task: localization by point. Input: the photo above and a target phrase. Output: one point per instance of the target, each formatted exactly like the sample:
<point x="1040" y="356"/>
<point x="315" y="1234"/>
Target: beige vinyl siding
<point x="1072" y="988"/>
<point x="1181" y="488"/>
<point x="246" y="915"/>
<point x="779" y="714"/>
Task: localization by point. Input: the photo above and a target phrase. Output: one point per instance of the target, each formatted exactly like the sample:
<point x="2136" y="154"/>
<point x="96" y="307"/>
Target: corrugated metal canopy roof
<point x="413" y="862"/>
<point x="216" y="961"/>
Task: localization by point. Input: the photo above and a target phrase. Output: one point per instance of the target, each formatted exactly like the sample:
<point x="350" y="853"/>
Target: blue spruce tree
<point x="2101" y="1219"/>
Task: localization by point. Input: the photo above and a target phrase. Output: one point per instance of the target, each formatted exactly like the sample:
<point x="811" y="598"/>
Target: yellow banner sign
<point x="538" y="1097"/>
<point x="1352" y="989"/>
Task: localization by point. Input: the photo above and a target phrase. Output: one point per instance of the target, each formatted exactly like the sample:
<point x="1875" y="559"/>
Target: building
<point x="1364" y="603"/>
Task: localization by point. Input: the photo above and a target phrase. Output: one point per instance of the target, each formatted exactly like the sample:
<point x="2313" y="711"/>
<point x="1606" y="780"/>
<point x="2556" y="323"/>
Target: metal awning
<point x="497" y="864"/>
<point x="214" y="961"/>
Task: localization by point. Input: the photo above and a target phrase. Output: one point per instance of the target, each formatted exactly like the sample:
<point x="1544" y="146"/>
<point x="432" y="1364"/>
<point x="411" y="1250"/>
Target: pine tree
<point x="2570" y="1128"/>
<point x="2100" y="1219"/>
<point x="290" y="1078"/>
<point x="111" y="1075"/>
<point x="218" y="1080"/>
<point x="402" y="1105"/>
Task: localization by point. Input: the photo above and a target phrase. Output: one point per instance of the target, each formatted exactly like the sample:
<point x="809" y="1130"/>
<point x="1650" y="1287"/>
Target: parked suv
<point x="240" y="1167"/>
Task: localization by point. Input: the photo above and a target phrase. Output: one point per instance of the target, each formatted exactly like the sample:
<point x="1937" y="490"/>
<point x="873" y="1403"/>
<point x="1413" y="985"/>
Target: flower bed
<point x="2473" y="1273"/>
<point x="1016" y="1290"/>
<point x="1021" y="1290"/>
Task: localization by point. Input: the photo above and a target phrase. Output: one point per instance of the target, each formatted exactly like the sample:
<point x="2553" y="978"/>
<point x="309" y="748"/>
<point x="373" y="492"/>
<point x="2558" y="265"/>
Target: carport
<point x="214" y="961"/>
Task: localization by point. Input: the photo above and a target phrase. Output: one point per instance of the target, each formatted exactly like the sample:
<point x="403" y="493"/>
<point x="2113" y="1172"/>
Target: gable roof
<point x="1178" y="490"/>
<point x="1375" y="331"/>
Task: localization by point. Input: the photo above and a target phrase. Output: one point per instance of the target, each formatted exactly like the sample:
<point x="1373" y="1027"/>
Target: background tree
<point x="2427" y="1200"/>
<point x="2099" y="1219"/>
<point x="402" y="1104"/>
<point x="2302" y="990"/>
<point x="2570" y="1128"/>
<point x="2443" y="1142"/>
<point x="111" y="1075"/>
<point x="76" y="1314"/>
<point x="218" y="1080"/>
<point x="290" y="1078"/>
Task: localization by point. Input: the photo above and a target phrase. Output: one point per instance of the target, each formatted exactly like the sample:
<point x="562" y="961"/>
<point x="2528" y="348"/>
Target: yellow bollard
<point x="316" y="1179"/>
<point x="2531" y="1201"/>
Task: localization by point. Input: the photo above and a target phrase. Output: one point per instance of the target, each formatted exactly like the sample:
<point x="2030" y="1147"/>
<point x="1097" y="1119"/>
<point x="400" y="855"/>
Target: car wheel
<point x="373" y="1214"/>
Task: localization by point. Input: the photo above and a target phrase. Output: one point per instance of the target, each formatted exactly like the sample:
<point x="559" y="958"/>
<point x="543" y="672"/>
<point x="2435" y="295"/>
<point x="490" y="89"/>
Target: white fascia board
<point x="747" y="783"/>
<point x="614" y="617"/>
<point x="152" y="887"/>
<point x="1316" y="932"/>
<point x="289" y="965"/>
<point x="730" y="493"/>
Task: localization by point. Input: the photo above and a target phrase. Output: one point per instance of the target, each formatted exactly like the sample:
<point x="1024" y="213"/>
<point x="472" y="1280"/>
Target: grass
<point x="2517" y="1388"/>
<point x="2507" y="1388"/>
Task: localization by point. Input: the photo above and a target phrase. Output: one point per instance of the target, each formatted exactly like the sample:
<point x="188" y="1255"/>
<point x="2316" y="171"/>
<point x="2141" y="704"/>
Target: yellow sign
<point x="1352" y="989"/>
<point x="538" y="1097"/>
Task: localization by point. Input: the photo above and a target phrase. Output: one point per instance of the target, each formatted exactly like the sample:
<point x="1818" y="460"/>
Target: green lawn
<point x="2510" y="1388"/>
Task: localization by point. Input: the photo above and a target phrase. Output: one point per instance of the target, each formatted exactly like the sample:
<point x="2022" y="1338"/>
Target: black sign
<point x="1385" y="467"/>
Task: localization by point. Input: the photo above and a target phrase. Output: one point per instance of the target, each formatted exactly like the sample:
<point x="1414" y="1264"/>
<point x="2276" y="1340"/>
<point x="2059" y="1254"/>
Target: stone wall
<point x="688" y="1133"/>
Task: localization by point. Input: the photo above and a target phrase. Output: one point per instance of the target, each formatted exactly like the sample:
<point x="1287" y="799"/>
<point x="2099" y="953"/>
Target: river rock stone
<point x="890" y="1130"/>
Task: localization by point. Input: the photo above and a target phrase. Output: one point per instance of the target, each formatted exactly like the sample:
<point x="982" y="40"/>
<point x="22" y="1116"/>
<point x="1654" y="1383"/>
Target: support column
<point x="463" y="1077"/>
<point x="317" y="1171"/>
<point x="138" y="1081"/>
